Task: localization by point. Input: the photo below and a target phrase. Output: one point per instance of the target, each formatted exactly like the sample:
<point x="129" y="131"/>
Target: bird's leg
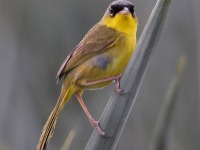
<point x="117" y="85"/>
<point x="116" y="78"/>
<point x="88" y="83"/>
<point x="94" y="123"/>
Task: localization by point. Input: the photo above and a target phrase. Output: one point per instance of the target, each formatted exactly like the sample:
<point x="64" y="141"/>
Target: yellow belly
<point x="110" y="63"/>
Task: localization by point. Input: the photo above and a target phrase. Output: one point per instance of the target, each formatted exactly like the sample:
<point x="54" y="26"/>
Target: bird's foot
<point x="117" y="85"/>
<point x="95" y="124"/>
<point x="120" y="91"/>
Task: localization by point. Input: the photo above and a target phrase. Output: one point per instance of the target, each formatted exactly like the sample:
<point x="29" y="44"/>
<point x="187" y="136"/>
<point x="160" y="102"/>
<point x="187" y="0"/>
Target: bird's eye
<point x="114" y="9"/>
<point x="111" y="12"/>
<point x="131" y="9"/>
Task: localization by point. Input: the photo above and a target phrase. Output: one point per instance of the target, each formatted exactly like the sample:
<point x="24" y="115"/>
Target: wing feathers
<point x="100" y="38"/>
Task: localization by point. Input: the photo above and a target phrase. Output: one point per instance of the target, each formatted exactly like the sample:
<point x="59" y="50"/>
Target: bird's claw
<point x="120" y="91"/>
<point x="95" y="124"/>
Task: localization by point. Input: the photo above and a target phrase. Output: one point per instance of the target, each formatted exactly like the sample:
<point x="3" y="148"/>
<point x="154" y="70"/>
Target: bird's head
<point x="120" y="15"/>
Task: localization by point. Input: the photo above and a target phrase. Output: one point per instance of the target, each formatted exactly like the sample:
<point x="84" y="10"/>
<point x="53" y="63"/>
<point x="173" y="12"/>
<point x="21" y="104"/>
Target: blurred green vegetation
<point x="160" y="135"/>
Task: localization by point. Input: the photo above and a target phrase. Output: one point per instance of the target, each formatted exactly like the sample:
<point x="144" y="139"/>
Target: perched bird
<point x="99" y="59"/>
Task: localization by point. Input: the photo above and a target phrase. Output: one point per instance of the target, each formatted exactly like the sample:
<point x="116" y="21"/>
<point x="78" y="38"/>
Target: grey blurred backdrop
<point x="37" y="35"/>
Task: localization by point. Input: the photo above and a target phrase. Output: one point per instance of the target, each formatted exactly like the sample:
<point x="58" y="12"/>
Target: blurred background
<point x="37" y="35"/>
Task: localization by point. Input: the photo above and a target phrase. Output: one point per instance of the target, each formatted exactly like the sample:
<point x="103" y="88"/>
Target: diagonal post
<point x="119" y="106"/>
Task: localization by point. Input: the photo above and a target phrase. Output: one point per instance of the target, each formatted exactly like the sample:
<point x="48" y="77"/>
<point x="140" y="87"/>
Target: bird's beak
<point x="125" y="11"/>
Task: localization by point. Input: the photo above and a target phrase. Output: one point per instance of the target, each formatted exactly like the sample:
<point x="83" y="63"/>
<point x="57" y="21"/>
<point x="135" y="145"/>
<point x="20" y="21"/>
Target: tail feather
<point x="49" y="126"/>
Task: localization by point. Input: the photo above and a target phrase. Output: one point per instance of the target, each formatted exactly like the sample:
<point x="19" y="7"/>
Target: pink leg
<point x="117" y="86"/>
<point x="88" y="83"/>
<point x="94" y="123"/>
<point x="116" y="78"/>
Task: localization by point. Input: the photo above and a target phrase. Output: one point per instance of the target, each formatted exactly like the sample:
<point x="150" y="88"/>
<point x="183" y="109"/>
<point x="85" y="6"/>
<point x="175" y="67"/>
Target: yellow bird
<point x="99" y="59"/>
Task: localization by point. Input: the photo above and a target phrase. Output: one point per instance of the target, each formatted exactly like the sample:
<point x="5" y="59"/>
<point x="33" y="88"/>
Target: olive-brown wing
<point x="99" y="38"/>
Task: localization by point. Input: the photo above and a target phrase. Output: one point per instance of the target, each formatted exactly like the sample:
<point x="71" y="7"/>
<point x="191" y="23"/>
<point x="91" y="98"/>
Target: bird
<point x="99" y="59"/>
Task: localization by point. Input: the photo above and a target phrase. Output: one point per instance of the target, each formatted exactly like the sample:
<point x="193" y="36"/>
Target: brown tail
<point x="49" y="126"/>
